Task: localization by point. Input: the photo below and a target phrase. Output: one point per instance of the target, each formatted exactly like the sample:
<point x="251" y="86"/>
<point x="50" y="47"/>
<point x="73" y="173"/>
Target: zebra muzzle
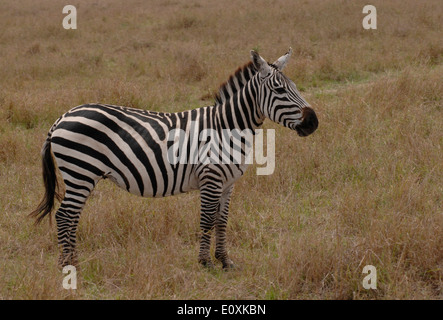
<point x="309" y="123"/>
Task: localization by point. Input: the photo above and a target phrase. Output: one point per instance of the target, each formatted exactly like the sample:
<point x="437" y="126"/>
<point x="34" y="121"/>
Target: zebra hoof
<point x="229" y="265"/>
<point x="68" y="260"/>
<point x="207" y="264"/>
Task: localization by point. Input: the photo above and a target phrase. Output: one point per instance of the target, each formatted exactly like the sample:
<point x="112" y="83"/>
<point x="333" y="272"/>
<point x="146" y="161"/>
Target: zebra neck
<point x="241" y="111"/>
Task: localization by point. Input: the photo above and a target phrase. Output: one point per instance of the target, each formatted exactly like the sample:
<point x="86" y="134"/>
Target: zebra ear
<point x="260" y="64"/>
<point x="281" y="62"/>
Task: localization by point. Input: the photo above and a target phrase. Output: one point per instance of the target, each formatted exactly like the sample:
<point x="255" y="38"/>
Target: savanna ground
<point x="365" y="189"/>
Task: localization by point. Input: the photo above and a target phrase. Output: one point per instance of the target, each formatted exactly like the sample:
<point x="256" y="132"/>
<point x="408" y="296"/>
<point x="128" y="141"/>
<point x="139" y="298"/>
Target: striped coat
<point x="132" y="147"/>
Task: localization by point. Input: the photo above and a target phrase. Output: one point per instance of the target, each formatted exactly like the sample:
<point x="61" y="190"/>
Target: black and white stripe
<point x="130" y="147"/>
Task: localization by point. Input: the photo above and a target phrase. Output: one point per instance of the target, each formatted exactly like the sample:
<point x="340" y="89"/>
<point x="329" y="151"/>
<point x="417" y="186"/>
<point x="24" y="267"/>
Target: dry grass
<point x="366" y="188"/>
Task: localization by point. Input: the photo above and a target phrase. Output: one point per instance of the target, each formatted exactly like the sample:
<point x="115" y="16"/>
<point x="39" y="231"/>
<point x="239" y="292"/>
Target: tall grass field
<point x="365" y="189"/>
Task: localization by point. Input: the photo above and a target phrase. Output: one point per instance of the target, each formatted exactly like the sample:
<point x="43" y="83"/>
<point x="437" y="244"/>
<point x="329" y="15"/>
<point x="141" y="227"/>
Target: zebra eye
<point x="280" y="90"/>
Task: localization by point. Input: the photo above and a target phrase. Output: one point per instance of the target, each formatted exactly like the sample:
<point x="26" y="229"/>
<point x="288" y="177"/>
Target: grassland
<point x="366" y="188"/>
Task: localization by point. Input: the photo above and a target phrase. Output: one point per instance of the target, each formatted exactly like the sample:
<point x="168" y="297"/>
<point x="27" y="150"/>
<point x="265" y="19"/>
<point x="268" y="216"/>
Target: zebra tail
<point x="51" y="184"/>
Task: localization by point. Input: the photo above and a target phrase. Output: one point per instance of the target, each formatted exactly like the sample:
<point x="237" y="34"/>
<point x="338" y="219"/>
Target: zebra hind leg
<point x="67" y="218"/>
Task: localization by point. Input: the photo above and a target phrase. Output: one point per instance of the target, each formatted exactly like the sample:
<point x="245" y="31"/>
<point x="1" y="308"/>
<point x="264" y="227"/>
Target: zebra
<point x="129" y="146"/>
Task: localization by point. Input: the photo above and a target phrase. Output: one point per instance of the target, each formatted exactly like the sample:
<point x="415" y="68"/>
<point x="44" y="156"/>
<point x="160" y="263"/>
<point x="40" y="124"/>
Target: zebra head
<point x="279" y="99"/>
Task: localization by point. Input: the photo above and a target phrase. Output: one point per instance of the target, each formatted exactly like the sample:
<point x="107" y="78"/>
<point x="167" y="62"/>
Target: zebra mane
<point x="235" y="82"/>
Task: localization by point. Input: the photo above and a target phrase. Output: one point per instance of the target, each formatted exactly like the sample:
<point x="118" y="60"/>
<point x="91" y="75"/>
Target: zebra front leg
<point x="221" y="253"/>
<point x="210" y="201"/>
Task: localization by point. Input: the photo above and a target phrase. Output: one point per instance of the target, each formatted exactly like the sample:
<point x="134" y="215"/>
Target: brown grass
<point x="366" y="188"/>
